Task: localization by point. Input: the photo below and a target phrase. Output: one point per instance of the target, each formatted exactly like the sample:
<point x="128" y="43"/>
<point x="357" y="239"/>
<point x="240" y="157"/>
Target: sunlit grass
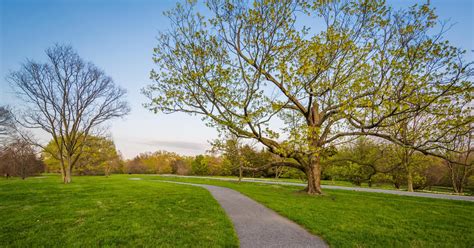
<point x="469" y="190"/>
<point x="115" y="211"/>
<point x="361" y="219"/>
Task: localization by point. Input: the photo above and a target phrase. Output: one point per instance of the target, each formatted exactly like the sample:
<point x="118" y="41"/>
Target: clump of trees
<point x="460" y="164"/>
<point x="160" y="162"/>
<point x="18" y="158"/>
<point x="99" y="157"/>
<point x="374" y="161"/>
<point x="370" y="71"/>
<point x="224" y="159"/>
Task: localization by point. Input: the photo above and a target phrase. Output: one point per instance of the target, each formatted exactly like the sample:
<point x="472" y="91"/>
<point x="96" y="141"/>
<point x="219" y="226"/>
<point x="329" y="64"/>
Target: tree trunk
<point x="460" y="188"/>
<point x="396" y="185"/>
<point x="240" y="173"/>
<point x="63" y="171"/>
<point x="409" y="179"/>
<point x="278" y="171"/>
<point x="67" y="171"/>
<point x="313" y="173"/>
<point x="457" y="184"/>
<point x="406" y="156"/>
<point x="67" y="176"/>
<point x="406" y="164"/>
<point x="462" y="180"/>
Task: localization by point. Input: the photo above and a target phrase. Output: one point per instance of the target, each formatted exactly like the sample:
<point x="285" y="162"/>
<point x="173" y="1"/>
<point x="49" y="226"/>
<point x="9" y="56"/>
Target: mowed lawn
<point x="107" y="212"/>
<point x="468" y="190"/>
<point x="360" y="219"/>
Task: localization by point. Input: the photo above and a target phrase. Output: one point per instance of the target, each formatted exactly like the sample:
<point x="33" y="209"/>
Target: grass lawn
<point x="361" y="219"/>
<point x="105" y="212"/>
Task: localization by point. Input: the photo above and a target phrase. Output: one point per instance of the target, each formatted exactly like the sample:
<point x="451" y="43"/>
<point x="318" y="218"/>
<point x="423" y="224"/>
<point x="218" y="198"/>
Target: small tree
<point x="199" y="166"/>
<point x="68" y="98"/>
<point x="461" y="161"/>
<point x="230" y="147"/>
<point x="181" y="166"/>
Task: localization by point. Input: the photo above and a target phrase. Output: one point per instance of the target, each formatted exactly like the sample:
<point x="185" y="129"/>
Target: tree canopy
<point x="98" y="156"/>
<point x="365" y="67"/>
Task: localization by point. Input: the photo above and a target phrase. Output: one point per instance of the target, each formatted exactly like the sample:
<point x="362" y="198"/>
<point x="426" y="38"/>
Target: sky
<point x="119" y="36"/>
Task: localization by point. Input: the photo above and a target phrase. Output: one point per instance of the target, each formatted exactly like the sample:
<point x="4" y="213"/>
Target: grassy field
<point x="108" y="212"/>
<point x="360" y="219"/>
<point x="117" y="211"/>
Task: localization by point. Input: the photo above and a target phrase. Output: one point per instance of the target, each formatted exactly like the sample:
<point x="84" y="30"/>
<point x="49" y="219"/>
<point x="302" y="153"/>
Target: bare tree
<point x="19" y="158"/>
<point x="68" y="98"/>
<point x="461" y="161"/>
<point x="6" y="121"/>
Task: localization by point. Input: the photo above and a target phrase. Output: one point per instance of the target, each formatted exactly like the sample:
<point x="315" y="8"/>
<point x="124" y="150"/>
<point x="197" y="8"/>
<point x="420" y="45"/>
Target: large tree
<point x="68" y="98"/>
<point x="259" y="71"/>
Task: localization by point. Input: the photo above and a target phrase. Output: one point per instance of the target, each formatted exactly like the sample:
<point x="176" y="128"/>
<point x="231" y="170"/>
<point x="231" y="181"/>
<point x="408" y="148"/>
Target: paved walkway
<point x="385" y="191"/>
<point x="258" y="226"/>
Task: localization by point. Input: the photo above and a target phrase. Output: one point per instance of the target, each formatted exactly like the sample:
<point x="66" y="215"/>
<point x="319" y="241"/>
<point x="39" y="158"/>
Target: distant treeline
<point x="363" y="161"/>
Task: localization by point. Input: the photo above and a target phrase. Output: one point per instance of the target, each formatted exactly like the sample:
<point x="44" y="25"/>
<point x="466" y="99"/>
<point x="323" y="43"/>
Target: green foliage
<point x="236" y="154"/>
<point x="230" y="148"/>
<point x="199" y="166"/>
<point x="98" y="156"/>
<point x="359" y="161"/>
<point x="293" y="173"/>
<point x="351" y="172"/>
<point x="372" y="161"/>
<point x="159" y="162"/>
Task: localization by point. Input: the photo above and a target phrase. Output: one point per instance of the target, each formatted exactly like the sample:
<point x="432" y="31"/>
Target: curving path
<point x="384" y="191"/>
<point x="256" y="225"/>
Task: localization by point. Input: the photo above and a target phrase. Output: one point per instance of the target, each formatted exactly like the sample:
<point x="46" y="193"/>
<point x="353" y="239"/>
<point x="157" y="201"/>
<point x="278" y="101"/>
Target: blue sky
<point x="119" y="36"/>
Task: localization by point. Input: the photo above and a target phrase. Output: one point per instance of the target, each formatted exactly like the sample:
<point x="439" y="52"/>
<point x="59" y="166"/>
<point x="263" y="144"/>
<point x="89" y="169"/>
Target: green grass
<point x="361" y="219"/>
<point x="116" y="211"/>
<point x="110" y="212"/>
<point x="323" y="182"/>
<point x="468" y="190"/>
